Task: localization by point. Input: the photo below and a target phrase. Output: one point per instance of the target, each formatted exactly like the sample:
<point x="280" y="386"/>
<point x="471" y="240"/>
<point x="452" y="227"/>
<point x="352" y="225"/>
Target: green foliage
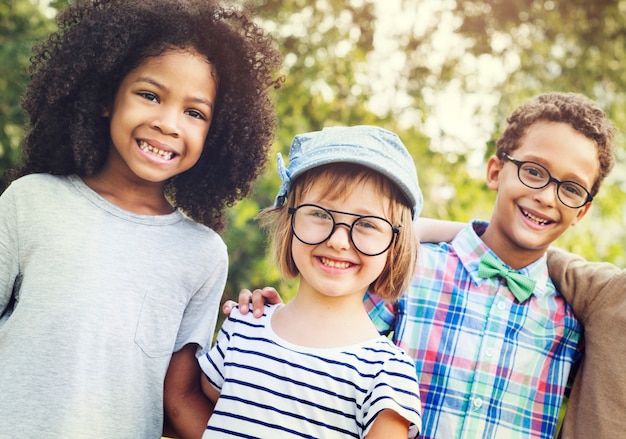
<point x="21" y="25"/>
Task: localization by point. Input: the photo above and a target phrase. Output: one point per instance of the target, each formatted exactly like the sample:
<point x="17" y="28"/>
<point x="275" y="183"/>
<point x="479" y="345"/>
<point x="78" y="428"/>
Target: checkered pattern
<point x="489" y="366"/>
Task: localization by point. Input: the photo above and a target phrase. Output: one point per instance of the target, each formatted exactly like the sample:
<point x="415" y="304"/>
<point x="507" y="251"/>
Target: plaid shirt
<point x="489" y="366"/>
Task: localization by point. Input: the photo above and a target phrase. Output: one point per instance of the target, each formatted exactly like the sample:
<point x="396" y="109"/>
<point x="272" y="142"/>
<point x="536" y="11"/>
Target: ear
<point x="581" y="213"/>
<point x="494" y="166"/>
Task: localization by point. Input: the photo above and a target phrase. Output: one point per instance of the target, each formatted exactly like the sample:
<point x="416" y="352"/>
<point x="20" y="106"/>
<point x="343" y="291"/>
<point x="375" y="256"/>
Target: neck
<point x="135" y="197"/>
<point x="514" y="256"/>
<point x="324" y="321"/>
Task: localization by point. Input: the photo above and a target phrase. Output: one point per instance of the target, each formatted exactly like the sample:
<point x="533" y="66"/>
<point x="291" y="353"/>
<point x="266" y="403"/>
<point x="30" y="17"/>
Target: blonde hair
<point x="338" y="180"/>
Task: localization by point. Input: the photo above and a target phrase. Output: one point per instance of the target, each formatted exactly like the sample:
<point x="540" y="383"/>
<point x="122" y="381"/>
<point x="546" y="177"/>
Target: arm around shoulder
<point x="582" y="282"/>
<point x="434" y="230"/>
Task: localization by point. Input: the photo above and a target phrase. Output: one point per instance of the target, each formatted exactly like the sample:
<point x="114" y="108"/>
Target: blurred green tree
<point x="21" y="24"/>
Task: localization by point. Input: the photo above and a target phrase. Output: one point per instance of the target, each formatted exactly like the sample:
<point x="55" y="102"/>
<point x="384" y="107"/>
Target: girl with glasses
<point x="316" y="366"/>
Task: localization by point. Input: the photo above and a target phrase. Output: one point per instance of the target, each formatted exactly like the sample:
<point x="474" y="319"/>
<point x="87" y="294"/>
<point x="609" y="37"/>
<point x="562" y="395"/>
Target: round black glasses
<point x="536" y="176"/>
<point x="370" y="235"/>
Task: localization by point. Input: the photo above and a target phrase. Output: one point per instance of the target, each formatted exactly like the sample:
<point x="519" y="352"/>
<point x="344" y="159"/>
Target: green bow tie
<point x="521" y="286"/>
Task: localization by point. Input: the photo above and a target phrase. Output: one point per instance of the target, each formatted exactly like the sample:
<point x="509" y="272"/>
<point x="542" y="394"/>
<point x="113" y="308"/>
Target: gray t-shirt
<point x="93" y="301"/>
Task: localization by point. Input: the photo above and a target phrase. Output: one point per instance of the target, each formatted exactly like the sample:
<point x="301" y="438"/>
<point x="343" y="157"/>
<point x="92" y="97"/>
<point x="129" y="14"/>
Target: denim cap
<point x="369" y="146"/>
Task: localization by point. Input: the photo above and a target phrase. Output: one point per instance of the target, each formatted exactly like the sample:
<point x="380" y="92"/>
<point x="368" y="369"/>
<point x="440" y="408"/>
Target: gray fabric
<point x="102" y="298"/>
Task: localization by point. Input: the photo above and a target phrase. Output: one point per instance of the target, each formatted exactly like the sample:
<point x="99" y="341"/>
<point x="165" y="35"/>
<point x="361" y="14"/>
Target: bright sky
<point x="459" y="119"/>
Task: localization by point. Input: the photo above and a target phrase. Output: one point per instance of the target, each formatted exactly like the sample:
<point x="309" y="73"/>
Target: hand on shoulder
<point x="257" y="298"/>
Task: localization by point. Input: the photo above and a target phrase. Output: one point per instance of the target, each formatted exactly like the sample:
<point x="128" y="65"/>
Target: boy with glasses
<point x="492" y="339"/>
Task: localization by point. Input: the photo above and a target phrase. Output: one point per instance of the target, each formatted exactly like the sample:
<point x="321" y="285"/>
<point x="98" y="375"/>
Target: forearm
<point x="187" y="409"/>
<point x="188" y="418"/>
<point x="433" y="230"/>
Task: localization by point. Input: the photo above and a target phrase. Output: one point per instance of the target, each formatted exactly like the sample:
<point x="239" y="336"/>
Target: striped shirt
<point x="489" y="366"/>
<point x="273" y="389"/>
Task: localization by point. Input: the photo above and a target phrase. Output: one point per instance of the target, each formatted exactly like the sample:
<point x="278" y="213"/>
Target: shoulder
<point x="37" y="182"/>
<point x="436" y="257"/>
<point x="200" y="230"/>
<point x="244" y="329"/>
<point x="431" y="249"/>
<point x="200" y="237"/>
<point x="249" y="319"/>
<point x="43" y="190"/>
<point x="393" y="352"/>
<point x="580" y="271"/>
<point x="382" y="354"/>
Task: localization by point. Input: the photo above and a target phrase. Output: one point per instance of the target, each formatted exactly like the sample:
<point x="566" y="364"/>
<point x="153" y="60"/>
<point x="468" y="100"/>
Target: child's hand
<point x="258" y="297"/>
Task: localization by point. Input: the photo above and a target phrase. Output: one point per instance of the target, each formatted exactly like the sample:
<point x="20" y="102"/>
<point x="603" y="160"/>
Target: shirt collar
<point x="470" y="247"/>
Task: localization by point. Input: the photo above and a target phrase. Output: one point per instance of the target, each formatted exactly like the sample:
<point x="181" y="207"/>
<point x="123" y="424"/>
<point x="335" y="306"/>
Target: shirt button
<point x="501" y="306"/>
<point x="489" y="352"/>
<point x="478" y="403"/>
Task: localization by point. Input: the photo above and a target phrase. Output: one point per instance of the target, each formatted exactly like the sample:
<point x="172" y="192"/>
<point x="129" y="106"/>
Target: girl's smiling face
<point x="161" y="115"/>
<point x="334" y="267"/>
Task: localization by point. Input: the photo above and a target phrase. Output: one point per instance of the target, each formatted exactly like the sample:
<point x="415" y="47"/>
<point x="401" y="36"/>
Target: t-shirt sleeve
<point x="212" y="362"/>
<point x="200" y="315"/>
<point x="395" y="388"/>
<point x="585" y="285"/>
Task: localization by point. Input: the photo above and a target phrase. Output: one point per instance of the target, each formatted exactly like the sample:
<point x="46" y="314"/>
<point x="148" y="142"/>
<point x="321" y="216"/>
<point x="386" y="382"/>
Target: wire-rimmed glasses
<point x="536" y="176"/>
<point x="370" y="235"/>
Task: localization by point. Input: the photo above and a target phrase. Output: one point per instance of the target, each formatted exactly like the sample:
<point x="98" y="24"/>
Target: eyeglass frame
<point x="395" y="230"/>
<point x="551" y="179"/>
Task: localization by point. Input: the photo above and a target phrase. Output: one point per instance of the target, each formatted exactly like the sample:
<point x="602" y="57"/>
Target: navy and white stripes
<point x="271" y="388"/>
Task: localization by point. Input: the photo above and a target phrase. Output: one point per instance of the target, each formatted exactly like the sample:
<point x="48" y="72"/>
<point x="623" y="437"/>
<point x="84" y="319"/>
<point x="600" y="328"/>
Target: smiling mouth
<point x="536" y="220"/>
<point x="335" y="264"/>
<point x="146" y="147"/>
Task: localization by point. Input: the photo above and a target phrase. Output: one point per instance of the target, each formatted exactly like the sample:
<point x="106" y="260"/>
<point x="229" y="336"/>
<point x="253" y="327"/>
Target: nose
<point x="547" y="195"/>
<point x="340" y="237"/>
<point x="167" y="121"/>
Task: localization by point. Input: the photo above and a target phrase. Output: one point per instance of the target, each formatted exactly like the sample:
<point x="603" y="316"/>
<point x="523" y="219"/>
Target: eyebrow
<point x="160" y="86"/>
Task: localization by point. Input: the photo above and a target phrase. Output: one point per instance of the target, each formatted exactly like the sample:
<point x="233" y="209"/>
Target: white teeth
<point x="146" y="147"/>
<point x="335" y="264"/>
<point x="534" y="218"/>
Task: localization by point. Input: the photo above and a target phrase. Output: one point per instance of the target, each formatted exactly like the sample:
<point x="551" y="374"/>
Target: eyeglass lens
<point x="312" y="224"/>
<point x="536" y="176"/>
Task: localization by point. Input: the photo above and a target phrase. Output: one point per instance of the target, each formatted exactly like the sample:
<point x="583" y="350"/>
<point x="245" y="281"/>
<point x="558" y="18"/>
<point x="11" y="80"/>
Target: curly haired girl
<point x="147" y="119"/>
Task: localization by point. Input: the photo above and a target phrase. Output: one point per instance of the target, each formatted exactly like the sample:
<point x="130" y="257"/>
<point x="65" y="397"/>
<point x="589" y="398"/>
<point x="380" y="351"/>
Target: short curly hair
<point x="574" y="109"/>
<point x="77" y="70"/>
<point x="339" y="180"/>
